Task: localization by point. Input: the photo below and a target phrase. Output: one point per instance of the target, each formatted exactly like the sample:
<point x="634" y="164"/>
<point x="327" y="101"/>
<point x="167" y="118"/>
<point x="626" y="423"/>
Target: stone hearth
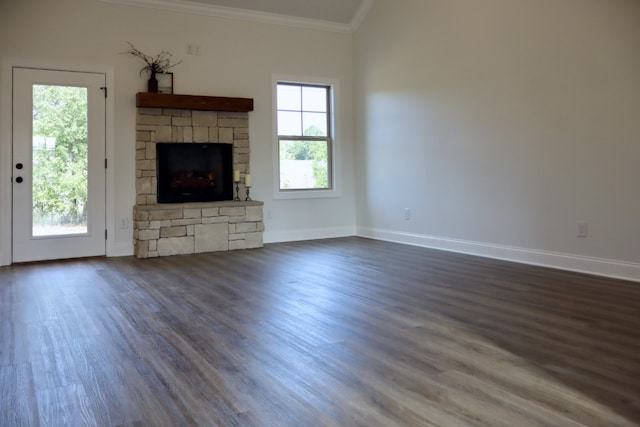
<point x="187" y="228"/>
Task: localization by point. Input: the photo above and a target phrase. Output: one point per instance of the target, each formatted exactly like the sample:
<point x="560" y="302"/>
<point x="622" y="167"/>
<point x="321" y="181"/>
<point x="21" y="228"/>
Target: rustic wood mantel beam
<point x="193" y="102"/>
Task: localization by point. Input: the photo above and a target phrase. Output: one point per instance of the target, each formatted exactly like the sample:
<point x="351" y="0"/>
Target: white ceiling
<point x="327" y="15"/>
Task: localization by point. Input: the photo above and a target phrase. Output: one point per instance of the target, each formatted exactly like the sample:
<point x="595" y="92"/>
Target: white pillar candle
<point x="247" y="180"/>
<point x="236" y="175"/>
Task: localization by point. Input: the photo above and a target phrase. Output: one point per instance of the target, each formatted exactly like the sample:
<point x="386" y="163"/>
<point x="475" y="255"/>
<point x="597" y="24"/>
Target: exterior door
<point x="58" y="164"/>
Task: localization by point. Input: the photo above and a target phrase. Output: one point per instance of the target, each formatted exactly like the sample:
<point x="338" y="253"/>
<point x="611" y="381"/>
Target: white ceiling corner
<point x="343" y="16"/>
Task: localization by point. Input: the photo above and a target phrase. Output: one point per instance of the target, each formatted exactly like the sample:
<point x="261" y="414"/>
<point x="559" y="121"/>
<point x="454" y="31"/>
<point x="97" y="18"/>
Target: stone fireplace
<point x="162" y="229"/>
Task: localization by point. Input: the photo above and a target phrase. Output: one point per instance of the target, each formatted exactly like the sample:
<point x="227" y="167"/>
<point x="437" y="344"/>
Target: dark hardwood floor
<point x="341" y="332"/>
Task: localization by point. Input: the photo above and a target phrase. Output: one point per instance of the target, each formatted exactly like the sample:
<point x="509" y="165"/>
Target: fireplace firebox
<point x="195" y="172"/>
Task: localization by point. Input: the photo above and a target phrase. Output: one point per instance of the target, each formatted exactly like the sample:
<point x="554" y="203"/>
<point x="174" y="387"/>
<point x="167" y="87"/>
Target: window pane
<point x="60" y="158"/>
<point x="314" y="124"/>
<point x="304" y="110"/>
<point x="289" y="97"/>
<point x="314" y="99"/>
<point x="304" y="165"/>
<point x="289" y="123"/>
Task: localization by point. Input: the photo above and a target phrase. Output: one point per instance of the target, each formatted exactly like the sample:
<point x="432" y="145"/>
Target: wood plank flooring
<point x="340" y="332"/>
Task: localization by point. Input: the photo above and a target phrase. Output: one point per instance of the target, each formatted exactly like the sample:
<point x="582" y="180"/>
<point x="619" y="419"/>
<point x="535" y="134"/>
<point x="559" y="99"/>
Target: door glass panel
<point x="59" y="181"/>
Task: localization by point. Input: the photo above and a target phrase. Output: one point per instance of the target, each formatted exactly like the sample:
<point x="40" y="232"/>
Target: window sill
<point x="306" y="194"/>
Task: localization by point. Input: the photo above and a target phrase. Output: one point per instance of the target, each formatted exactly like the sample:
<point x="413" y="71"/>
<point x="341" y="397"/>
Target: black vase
<point x="152" y="84"/>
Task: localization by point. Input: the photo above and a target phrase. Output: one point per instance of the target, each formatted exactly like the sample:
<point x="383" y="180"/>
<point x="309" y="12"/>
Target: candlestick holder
<point x="237" y="198"/>
<point x="248" y="198"/>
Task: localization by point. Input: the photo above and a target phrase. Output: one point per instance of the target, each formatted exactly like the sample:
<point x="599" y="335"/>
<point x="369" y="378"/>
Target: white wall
<point x="500" y="124"/>
<point x="238" y="60"/>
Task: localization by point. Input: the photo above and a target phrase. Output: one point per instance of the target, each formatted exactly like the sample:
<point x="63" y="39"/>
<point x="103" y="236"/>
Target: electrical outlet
<point x="582" y="228"/>
<point x="193" y="49"/>
<point x="407" y="213"/>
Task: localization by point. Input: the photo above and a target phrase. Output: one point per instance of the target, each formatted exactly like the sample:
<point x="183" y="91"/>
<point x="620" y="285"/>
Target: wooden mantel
<point x="193" y="102"/>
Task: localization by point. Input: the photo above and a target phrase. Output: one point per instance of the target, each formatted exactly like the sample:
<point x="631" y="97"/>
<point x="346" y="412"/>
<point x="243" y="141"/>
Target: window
<point x="304" y="136"/>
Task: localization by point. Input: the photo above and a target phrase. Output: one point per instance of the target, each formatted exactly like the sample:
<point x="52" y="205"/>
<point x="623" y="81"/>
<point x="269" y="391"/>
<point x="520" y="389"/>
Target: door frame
<point x="6" y="145"/>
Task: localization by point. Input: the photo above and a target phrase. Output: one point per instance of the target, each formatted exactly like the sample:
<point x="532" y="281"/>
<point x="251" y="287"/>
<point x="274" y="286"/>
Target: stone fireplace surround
<point x="185" y="228"/>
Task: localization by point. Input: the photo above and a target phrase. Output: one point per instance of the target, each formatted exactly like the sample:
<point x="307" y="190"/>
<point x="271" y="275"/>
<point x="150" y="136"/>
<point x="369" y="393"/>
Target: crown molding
<point x="248" y="15"/>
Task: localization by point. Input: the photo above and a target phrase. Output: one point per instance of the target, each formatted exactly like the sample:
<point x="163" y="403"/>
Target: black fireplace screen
<point x="194" y="172"/>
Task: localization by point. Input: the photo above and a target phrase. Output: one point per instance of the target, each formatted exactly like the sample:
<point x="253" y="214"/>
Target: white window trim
<point x="336" y="143"/>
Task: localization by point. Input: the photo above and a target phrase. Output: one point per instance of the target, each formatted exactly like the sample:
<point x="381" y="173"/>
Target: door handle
<point x="19" y="179"/>
<point x="18" y="165"/>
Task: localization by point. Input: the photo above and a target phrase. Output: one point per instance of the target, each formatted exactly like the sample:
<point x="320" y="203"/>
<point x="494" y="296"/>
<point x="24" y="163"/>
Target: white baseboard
<point x="5" y="259"/>
<point x="308" y="234"/>
<point x="578" y="263"/>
